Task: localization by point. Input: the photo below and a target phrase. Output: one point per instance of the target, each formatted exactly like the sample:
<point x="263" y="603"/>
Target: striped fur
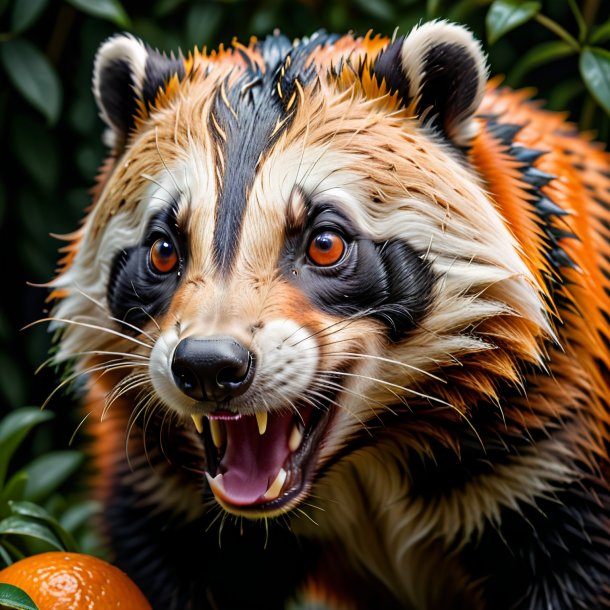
<point x="447" y="376"/>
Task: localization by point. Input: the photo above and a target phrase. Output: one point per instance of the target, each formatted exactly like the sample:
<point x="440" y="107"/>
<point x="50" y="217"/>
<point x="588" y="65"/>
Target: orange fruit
<point x="74" y="581"/>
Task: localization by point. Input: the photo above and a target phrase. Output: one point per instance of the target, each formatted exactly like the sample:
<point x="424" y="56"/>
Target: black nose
<point x="214" y="368"/>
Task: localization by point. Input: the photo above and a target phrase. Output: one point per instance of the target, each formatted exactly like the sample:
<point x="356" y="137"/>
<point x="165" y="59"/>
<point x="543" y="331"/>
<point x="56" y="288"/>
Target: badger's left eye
<point x="326" y="248"/>
<point x="163" y="256"/>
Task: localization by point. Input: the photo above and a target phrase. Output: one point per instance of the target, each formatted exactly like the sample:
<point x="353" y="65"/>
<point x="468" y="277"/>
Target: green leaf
<point x="601" y="33"/>
<point x="5" y="557"/>
<point x="79" y="514"/>
<point x="580" y="20"/>
<point x="564" y="93"/>
<point x="165" y="7"/>
<point x="33" y="76"/>
<point x="12" y="385"/>
<point x="14" y="597"/>
<point x="25" y="13"/>
<point x="36" y="150"/>
<point x="111" y="10"/>
<point x="202" y="22"/>
<point x="538" y="56"/>
<point x="15" y="488"/>
<point x="49" y="471"/>
<point x="505" y="15"/>
<point x="13" y="429"/>
<point x="433" y="8"/>
<point x="595" y="71"/>
<point x="25" y="526"/>
<point x="380" y="9"/>
<point x="29" y="509"/>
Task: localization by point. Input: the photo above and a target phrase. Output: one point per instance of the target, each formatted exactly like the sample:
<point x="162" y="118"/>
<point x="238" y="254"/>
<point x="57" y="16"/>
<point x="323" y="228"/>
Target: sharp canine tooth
<point x="217" y="432"/>
<point x="261" y="420"/>
<point x="276" y="487"/>
<point x="198" y="421"/>
<point x="296" y="436"/>
<point x="216" y="483"/>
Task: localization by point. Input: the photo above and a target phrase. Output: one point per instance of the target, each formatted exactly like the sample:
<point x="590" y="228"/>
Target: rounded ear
<point x="127" y="73"/>
<point x="441" y="68"/>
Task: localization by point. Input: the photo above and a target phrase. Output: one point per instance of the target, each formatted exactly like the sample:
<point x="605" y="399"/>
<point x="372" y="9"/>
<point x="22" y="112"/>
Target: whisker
<point x="389" y="361"/>
<point x="78" y="427"/>
<point x="88" y="371"/>
<point x="390" y="384"/>
<point x="119" y="320"/>
<point x="105" y="329"/>
<point x="328" y="328"/>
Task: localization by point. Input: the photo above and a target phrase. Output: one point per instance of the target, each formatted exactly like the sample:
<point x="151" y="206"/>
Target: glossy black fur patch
<point x="387" y="281"/>
<point x="117" y="95"/>
<point x="118" y="91"/>
<point x="388" y="68"/>
<point x="258" y="104"/>
<point x="136" y="292"/>
<point x="449" y="86"/>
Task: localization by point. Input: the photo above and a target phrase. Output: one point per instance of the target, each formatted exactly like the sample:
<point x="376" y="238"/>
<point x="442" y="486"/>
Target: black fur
<point x="449" y="87"/>
<point x="116" y="91"/>
<point x="388" y="67"/>
<point x="387" y="281"/>
<point x="135" y="290"/>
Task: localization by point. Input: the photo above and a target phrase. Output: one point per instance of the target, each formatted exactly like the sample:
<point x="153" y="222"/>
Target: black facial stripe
<point x="258" y="106"/>
<point x="136" y="292"/>
<point x="247" y="137"/>
<point x="387" y="281"/>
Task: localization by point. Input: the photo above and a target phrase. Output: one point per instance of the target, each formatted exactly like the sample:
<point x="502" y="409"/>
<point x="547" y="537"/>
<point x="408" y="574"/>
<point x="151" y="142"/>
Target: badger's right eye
<point x="163" y="256"/>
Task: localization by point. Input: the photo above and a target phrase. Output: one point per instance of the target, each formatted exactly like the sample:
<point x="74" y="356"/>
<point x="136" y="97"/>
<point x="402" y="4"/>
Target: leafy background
<point x="50" y="128"/>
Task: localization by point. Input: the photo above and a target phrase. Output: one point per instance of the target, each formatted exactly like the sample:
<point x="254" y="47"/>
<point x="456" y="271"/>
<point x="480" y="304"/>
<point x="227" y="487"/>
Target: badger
<point x="342" y="310"/>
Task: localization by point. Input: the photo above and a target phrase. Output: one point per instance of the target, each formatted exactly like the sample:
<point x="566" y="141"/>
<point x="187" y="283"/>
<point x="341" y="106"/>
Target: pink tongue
<point x="252" y="461"/>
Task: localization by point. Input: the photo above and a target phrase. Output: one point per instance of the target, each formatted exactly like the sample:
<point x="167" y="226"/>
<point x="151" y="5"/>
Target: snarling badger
<point x="343" y="309"/>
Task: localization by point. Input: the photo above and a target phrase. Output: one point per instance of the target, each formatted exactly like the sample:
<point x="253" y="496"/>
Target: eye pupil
<point x="165" y="249"/>
<point x="324" y="242"/>
<point x="163" y="256"/>
<point x="326" y="249"/>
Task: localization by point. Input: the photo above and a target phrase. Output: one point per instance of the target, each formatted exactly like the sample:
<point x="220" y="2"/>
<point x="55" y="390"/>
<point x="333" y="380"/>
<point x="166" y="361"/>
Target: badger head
<point x="290" y="248"/>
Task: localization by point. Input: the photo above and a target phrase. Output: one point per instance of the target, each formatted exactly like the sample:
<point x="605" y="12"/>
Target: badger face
<point x="290" y="251"/>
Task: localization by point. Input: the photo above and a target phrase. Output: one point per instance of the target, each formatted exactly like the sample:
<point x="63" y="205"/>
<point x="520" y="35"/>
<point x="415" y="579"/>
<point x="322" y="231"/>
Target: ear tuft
<point x="446" y="72"/>
<point x="125" y="73"/>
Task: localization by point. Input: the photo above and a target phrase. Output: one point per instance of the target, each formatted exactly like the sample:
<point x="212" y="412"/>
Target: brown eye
<point x="326" y="249"/>
<point x="163" y="256"/>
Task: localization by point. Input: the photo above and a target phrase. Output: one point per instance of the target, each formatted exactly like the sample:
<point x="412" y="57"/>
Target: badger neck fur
<point x="342" y="308"/>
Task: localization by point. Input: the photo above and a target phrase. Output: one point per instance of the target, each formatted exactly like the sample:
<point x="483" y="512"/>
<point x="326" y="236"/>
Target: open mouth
<point x="262" y="463"/>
